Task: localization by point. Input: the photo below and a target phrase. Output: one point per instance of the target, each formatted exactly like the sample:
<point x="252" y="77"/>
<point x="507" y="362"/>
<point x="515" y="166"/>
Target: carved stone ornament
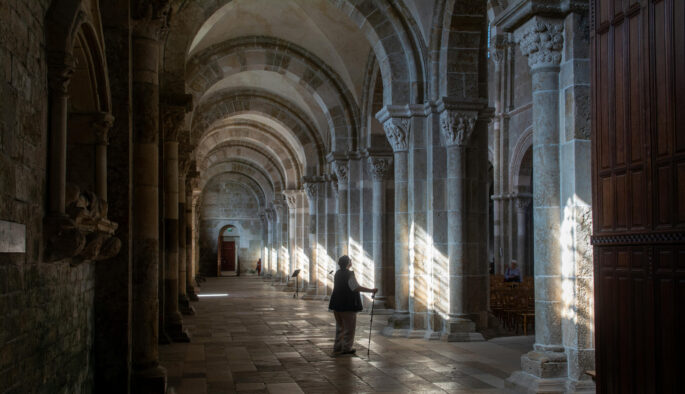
<point x="101" y="125"/>
<point x="172" y="122"/>
<point x="150" y="18"/>
<point x="311" y="188"/>
<point x="457" y="126"/>
<point x="60" y="73"/>
<point x="84" y="233"/>
<point x="379" y="167"/>
<point x="341" y="168"/>
<point x="523" y="202"/>
<point x="269" y="215"/>
<point x="290" y="199"/>
<point x="542" y="41"/>
<point x="397" y="131"/>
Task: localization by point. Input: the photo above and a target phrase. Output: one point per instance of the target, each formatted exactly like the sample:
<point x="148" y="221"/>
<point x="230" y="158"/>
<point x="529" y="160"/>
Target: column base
<point x="580" y="386"/>
<point x="150" y="380"/>
<point x="399" y="325"/>
<point x="192" y="295"/>
<point x="184" y="305"/>
<point x="177" y="333"/>
<point x="310" y="294"/>
<point x="380" y="307"/>
<point x="542" y="371"/>
<point x="458" y="329"/>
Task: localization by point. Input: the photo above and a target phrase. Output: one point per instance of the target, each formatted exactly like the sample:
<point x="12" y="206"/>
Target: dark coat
<point x="343" y="299"/>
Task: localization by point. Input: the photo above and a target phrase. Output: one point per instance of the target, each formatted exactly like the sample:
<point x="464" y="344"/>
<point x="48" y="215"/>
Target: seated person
<point x="512" y="273"/>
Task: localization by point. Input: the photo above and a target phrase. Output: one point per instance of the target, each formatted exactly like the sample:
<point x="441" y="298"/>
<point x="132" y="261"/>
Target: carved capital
<point x="269" y="215"/>
<point x="341" y="168"/>
<point x="312" y="189"/>
<point x="397" y="130"/>
<point x="173" y="118"/>
<point x="542" y="41"/>
<point x="150" y="18"/>
<point x="523" y="202"/>
<point x="101" y="124"/>
<point x="379" y="167"/>
<point x="290" y="198"/>
<point x="60" y="71"/>
<point x="457" y="126"/>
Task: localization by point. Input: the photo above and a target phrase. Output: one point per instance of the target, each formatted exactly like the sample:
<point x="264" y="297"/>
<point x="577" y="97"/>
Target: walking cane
<point x="368" y="348"/>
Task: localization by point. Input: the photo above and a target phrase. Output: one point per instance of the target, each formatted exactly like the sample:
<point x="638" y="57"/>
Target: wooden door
<point x="638" y="90"/>
<point x="228" y="256"/>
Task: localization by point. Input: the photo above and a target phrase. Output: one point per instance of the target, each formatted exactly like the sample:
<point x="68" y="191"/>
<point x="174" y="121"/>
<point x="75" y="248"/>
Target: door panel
<point x="638" y="63"/>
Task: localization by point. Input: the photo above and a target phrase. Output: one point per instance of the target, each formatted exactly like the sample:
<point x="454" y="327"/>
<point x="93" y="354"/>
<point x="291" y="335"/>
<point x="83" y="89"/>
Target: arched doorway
<point x="228" y="242"/>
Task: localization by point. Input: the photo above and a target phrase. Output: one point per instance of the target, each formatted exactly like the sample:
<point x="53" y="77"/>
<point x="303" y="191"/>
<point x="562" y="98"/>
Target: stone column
<point x="397" y="130"/>
<point x="331" y="233"/>
<point x="311" y="188"/>
<point x="291" y="202"/>
<point x="270" y="258"/>
<point x="282" y="240"/>
<point x="173" y="321"/>
<point x="147" y="375"/>
<point x="354" y="233"/>
<point x="464" y="279"/>
<point x="102" y="126"/>
<point x="183" y="299"/>
<point x="379" y="167"/>
<point x="541" y="40"/>
<point x="190" y="264"/>
<point x="523" y="202"/>
<point x="497" y="55"/>
<point x="59" y="77"/>
<point x="341" y="169"/>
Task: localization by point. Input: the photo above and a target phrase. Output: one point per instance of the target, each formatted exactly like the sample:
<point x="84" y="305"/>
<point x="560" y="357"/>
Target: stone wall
<point x="46" y="310"/>
<point x="224" y="203"/>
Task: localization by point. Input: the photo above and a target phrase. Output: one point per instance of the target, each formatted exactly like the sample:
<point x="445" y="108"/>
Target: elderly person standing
<point x="345" y="303"/>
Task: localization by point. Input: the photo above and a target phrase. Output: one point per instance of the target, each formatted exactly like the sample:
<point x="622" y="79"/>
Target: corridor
<point x="249" y="337"/>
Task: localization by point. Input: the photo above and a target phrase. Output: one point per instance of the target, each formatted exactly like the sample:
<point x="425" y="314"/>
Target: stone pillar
<point x="183" y="299"/>
<point x="523" y="202"/>
<point x="541" y="40"/>
<point x="147" y="375"/>
<point x="59" y="77"/>
<point x="173" y="321"/>
<point x="282" y="240"/>
<point x="379" y="167"/>
<point x="465" y="278"/>
<point x="397" y="130"/>
<point x="576" y="197"/>
<point x="331" y="233"/>
<point x="311" y="188"/>
<point x="190" y="257"/>
<point x="354" y="233"/>
<point x="341" y="169"/>
<point x="271" y="241"/>
<point x="497" y="55"/>
<point x="291" y="202"/>
<point x="102" y="126"/>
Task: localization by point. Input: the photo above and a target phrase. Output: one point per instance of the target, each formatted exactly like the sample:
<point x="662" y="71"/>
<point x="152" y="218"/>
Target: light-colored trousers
<point x="345" y="326"/>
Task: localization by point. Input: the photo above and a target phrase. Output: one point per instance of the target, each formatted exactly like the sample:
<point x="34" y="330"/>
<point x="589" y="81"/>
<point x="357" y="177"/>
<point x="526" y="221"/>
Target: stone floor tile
<point x="264" y="339"/>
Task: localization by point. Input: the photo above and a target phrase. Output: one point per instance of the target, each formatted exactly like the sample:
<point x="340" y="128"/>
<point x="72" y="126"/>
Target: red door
<point x="639" y="194"/>
<point x="228" y="256"/>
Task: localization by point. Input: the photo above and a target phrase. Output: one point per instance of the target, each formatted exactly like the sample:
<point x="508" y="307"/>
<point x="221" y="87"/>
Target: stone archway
<point x="227" y="256"/>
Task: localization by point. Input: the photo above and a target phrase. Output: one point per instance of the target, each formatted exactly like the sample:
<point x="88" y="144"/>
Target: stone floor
<point x="259" y="340"/>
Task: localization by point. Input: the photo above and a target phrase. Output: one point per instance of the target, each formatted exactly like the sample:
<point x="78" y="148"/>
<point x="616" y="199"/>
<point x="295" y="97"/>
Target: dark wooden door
<point x="228" y="256"/>
<point x="638" y="83"/>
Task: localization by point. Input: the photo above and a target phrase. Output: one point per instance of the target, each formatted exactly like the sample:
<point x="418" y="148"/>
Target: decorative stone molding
<point x="397" y="130"/>
<point x="269" y="215"/>
<point x="457" y="126"/>
<point x="542" y="41"/>
<point x="379" y="167"/>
